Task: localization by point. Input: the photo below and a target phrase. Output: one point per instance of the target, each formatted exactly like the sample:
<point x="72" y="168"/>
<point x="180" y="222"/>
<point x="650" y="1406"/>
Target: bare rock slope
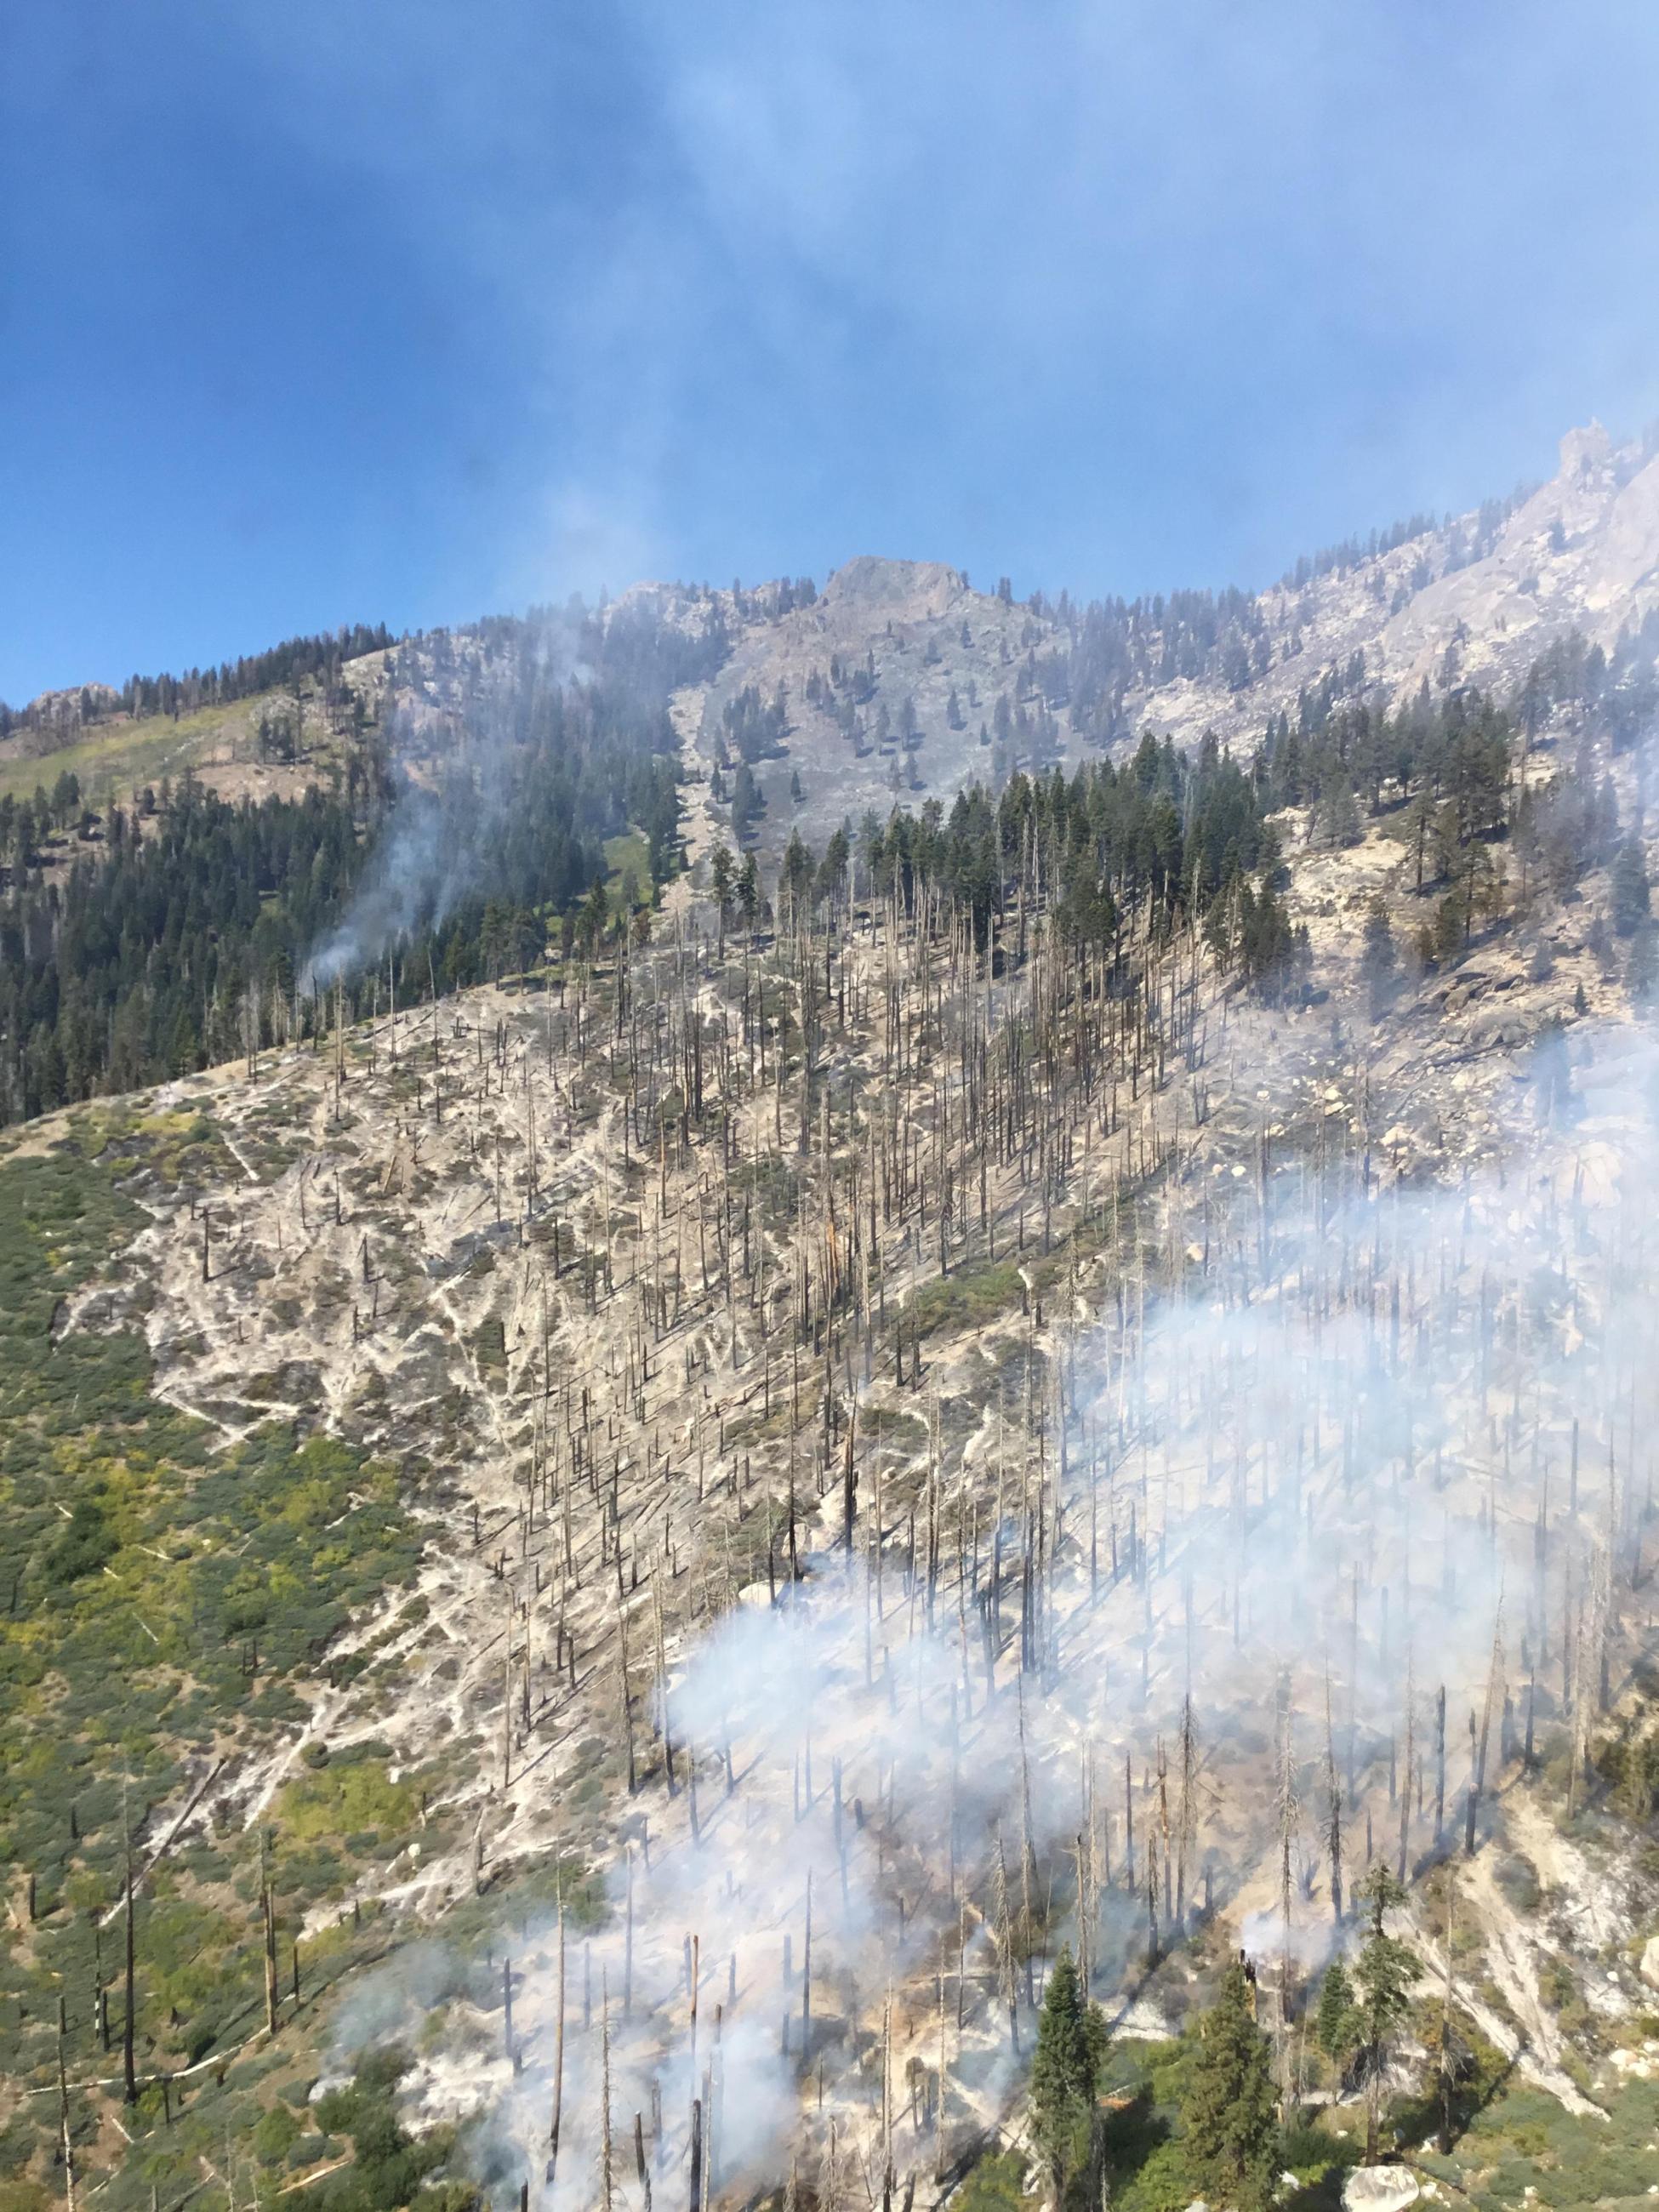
<point x="899" y="683"/>
<point x="1580" y="553"/>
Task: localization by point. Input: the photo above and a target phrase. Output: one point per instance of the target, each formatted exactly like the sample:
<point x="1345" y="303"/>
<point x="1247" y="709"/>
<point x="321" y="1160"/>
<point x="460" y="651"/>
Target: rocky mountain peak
<point x="907" y="590"/>
<point x="1584" y="449"/>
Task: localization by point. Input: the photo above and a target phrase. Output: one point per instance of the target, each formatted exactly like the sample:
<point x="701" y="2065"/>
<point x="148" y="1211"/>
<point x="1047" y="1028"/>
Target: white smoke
<point x="453" y="794"/>
<point x="1315" y="1479"/>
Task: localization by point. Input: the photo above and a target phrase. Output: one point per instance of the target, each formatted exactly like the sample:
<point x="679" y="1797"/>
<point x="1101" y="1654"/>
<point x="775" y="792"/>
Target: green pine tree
<point x="1229" y="2108"/>
<point x="1066" y="2073"/>
<point x="795" y="878"/>
<point x="1630" y="889"/>
<point x="1643" y="970"/>
<point x="1384" y="1974"/>
<point x="722" y="875"/>
<point x="1377" y="958"/>
<point x="1339" y="814"/>
<point x="749" y="891"/>
<point x="1337" y="2025"/>
<point x="593" y="918"/>
<point x="1447" y="940"/>
<point x="184" y="1052"/>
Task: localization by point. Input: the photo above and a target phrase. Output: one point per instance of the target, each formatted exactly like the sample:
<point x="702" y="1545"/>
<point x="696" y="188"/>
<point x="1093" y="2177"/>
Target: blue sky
<point x="332" y="310"/>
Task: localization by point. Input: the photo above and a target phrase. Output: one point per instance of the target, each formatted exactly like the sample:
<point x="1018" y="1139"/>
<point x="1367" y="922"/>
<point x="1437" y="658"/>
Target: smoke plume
<point x="1209" y="1602"/>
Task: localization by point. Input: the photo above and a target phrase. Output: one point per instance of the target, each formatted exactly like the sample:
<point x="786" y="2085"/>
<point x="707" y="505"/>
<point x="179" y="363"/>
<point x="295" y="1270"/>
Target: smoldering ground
<point x="1210" y="1604"/>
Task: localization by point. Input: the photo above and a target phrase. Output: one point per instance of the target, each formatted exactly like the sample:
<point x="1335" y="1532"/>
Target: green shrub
<point x="993" y="2185"/>
<point x="172" y="1611"/>
<point x="274" y="2136"/>
<point x="1518" y="1878"/>
<point x="353" y="1800"/>
<point x="87" y="1540"/>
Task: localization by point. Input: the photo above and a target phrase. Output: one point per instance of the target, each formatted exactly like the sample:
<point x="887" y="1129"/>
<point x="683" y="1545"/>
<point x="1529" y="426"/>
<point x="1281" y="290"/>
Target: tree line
<point x="296" y="660"/>
<point x="1185" y="837"/>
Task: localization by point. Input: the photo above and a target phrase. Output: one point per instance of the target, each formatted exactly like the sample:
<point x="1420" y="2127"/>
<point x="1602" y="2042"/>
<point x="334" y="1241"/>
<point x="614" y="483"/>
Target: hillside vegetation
<point x="630" y="1396"/>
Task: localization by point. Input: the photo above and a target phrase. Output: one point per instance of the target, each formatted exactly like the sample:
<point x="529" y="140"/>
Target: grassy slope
<point x="143" y="1570"/>
<point x="112" y="761"/>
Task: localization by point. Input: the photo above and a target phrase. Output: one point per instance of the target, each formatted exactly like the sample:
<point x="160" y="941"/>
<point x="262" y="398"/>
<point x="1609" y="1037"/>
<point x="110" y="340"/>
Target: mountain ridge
<point x="1474" y="598"/>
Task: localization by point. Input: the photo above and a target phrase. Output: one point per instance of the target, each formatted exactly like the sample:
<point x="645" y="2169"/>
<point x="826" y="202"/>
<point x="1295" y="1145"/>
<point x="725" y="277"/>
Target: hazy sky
<point x="330" y="310"/>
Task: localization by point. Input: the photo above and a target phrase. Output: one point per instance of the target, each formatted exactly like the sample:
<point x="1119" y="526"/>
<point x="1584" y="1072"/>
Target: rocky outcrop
<point x="913" y="590"/>
<point x="1380" y="2188"/>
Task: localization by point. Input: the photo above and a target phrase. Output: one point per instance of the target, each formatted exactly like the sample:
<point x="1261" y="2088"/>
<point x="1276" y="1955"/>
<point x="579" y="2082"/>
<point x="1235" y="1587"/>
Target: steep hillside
<point x="626" y="1530"/>
<point x="884" y="1423"/>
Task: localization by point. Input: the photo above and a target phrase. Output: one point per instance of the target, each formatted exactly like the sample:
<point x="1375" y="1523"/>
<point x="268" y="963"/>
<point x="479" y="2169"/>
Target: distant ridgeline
<point x="177" y="933"/>
<point x="176" y="939"/>
<point x="1114" y="648"/>
<point x="1111" y="646"/>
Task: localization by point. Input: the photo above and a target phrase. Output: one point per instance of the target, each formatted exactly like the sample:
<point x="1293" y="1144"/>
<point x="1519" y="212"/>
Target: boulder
<point x="1380" y="2188"/>
<point x="1649" y="1965"/>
